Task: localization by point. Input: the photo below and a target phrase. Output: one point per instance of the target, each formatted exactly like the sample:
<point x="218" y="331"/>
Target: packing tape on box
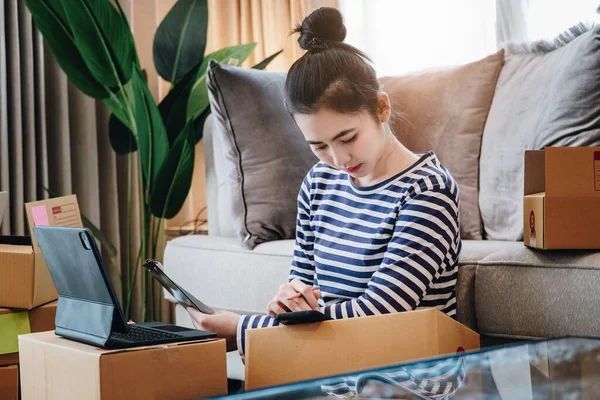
<point x="11" y="326"/>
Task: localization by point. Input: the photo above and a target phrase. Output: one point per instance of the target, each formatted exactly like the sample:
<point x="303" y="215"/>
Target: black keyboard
<point x="140" y="334"/>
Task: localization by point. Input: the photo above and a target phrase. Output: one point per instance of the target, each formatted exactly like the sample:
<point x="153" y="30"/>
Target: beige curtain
<point x="53" y="136"/>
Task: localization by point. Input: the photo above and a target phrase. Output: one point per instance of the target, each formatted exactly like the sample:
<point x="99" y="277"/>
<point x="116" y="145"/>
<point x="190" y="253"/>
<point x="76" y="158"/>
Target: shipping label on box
<point x="561" y="204"/>
<point x="25" y="281"/>
<point x="285" y="354"/>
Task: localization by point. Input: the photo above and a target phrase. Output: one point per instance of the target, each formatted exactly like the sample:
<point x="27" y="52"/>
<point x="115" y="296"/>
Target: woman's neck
<point x="395" y="159"/>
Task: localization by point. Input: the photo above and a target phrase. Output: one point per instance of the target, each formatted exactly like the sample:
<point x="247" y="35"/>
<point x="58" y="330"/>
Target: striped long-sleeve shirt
<point x="389" y="247"/>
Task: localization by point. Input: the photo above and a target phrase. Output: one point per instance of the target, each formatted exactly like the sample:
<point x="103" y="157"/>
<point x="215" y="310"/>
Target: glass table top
<point x="562" y="368"/>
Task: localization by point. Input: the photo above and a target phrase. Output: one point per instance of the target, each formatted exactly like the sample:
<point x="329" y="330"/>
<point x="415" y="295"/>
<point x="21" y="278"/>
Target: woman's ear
<point x="384" y="109"/>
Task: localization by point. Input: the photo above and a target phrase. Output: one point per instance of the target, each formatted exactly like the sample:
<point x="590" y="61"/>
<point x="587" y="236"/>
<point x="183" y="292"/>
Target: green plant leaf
<point x="174" y="179"/>
<point x="103" y="39"/>
<point x="180" y="39"/>
<point x="199" y="125"/>
<point x="198" y="100"/>
<point x="115" y="105"/>
<point x="263" y="64"/>
<point x="173" y="107"/>
<point x="121" y="138"/>
<point x="153" y="145"/>
<point x="50" y="19"/>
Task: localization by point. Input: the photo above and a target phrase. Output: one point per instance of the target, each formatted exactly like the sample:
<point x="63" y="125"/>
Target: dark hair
<point x="331" y="73"/>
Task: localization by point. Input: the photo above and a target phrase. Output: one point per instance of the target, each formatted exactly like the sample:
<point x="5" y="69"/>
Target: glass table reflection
<point x="562" y="368"/>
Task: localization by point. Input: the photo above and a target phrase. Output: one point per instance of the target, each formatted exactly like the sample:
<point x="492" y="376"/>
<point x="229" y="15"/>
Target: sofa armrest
<point x="224" y="275"/>
<point x="218" y="192"/>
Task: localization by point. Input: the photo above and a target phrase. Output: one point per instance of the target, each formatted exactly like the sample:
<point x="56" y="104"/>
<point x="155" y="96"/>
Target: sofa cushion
<point x="267" y="156"/>
<point x="207" y="264"/>
<point x="536" y="294"/>
<point x="445" y="111"/>
<point x="542" y="99"/>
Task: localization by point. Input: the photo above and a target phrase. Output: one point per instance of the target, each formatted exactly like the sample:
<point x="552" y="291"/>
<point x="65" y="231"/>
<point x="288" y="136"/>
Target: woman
<point x="378" y="226"/>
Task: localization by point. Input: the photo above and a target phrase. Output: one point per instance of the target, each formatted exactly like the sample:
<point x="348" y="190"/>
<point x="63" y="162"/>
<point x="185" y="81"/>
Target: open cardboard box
<point x="9" y="382"/>
<point x="561" y="204"/>
<point x="53" y="367"/>
<point x="25" y="281"/>
<point x="286" y="354"/>
<point x="14" y="323"/>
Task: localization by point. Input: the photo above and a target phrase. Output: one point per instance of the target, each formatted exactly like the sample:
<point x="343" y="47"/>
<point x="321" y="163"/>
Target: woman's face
<point x="353" y="143"/>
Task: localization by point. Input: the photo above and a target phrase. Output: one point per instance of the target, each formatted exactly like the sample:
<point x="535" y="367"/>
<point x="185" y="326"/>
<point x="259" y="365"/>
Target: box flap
<point x="573" y="171"/>
<point x="534" y="172"/>
<point x="453" y="337"/>
<point x="533" y="220"/>
<point x="59" y="211"/>
<point x="9" y="248"/>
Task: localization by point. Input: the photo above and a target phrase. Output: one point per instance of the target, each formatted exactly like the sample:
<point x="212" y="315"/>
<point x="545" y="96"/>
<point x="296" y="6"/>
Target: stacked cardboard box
<point x="27" y="293"/>
<point x="561" y="206"/>
<point x="12" y="324"/>
<point x="53" y="367"/>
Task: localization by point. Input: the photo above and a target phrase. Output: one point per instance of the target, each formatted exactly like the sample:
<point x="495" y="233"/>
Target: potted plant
<point x="92" y="42"/>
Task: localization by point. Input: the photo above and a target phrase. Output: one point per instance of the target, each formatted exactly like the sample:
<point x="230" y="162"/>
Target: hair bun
<point x="325" y="24"/>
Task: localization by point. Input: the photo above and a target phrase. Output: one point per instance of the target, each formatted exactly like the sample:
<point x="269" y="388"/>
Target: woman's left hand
<point x="223" y="323"/>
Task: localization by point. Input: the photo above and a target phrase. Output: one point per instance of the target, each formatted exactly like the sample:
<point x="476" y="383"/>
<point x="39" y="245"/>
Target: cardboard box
<point x="561" y="205"/>
<point x="25" y="282"/>
<point x="9" y="382"/>
<point x="14" y="323"/>
<point x="53" y="367"/>
<point x="285" y="354"/>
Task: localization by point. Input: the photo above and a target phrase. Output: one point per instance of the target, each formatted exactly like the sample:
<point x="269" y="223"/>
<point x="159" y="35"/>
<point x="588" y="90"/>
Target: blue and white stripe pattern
<point x="389" y="247"/>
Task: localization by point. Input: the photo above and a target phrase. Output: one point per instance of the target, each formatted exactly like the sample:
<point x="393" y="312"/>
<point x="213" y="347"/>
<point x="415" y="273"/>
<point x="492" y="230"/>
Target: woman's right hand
<point x="282" y="303"/>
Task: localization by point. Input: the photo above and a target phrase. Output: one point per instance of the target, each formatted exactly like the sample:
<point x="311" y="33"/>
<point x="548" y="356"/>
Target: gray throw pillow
<point x="266" y="152"/>
<point x="544" y="97"/>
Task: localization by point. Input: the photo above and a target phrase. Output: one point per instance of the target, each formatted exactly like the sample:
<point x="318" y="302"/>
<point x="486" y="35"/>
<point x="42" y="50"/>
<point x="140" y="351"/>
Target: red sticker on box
<point x="531" y="221"/>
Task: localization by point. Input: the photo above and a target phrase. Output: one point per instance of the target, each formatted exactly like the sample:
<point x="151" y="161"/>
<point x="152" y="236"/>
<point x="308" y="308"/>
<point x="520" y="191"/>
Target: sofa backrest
<point x="253" y="145"/>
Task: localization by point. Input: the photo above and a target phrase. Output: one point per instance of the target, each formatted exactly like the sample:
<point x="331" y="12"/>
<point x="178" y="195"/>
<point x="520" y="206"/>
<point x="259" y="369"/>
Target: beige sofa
<point x="541" y="97"/>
